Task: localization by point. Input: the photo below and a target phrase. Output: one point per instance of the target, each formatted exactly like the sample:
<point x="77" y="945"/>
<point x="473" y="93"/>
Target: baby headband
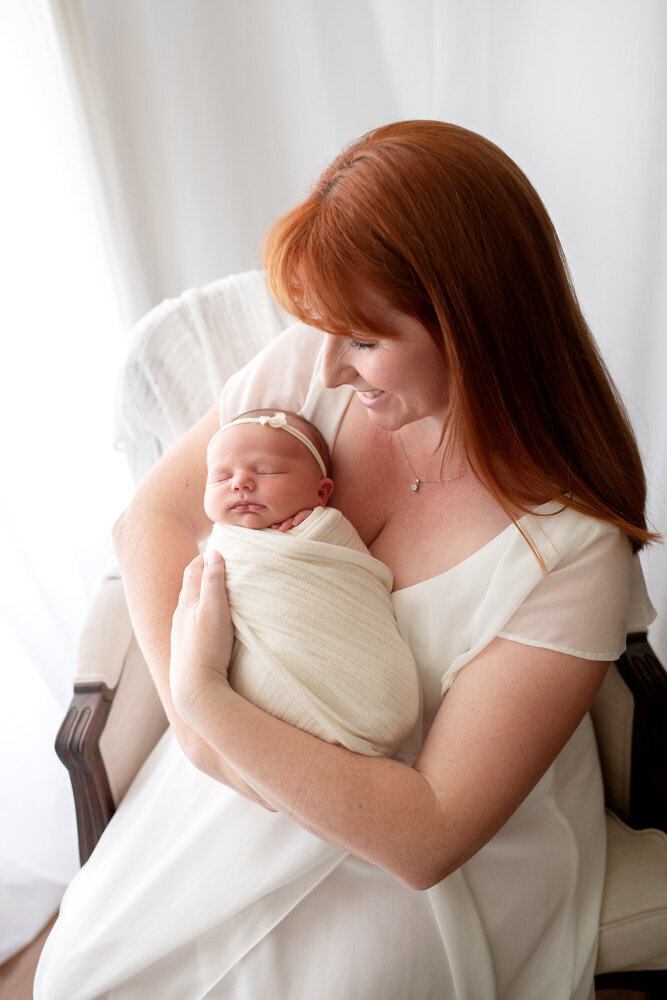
<point x="279" y="421"/>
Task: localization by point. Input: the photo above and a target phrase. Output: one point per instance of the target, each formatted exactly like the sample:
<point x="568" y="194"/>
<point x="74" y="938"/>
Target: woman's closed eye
<point x="362" y="345"/>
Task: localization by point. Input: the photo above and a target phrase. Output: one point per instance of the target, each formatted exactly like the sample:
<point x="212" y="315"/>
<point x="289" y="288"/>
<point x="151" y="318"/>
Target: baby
<point x="259" y="480"/>
<point x="316" y="640"/>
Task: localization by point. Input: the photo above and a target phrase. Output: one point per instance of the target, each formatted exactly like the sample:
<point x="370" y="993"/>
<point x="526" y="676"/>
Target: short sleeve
<point x="587" y="603"/>
<point x="279" y="376"/>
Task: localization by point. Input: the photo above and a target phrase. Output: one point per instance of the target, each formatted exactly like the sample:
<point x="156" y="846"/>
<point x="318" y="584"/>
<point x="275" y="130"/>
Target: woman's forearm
<point x="153" y="551"/>
<point x="374" y="807"/>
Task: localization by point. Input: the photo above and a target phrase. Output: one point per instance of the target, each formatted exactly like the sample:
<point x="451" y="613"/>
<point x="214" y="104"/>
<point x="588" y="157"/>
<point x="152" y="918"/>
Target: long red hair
<point x="445" y="226"/>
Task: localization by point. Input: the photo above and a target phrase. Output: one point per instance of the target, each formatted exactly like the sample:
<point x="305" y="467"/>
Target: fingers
<point x="295" y="521"/>
<point x="283" y="525"/>
<point x="191" y="585"/>
<point x="213" y="591"/>
<point x="202" y="570"/>
<point x="301" y="516"/>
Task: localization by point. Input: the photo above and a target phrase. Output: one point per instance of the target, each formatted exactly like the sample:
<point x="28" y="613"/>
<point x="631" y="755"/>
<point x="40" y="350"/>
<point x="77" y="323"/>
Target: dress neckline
<point x="513" y="525"/>
<point x="336" y="402"/>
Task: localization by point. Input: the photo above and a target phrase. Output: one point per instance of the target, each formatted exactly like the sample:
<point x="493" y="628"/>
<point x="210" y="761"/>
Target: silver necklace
<point x="425" y="482"/>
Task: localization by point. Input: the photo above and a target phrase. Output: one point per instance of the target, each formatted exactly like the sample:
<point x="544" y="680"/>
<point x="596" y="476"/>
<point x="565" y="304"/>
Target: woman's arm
<point x="155" y="539"/>
<point x="502" y="724"/>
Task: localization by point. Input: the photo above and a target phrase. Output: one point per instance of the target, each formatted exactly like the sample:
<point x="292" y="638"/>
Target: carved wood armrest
<point x="77" y="745"/>
<point x="642" y="671"/>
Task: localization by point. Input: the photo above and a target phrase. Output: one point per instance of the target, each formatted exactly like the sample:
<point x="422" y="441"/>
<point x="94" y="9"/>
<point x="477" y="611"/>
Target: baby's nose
<point x="242" y="481"/>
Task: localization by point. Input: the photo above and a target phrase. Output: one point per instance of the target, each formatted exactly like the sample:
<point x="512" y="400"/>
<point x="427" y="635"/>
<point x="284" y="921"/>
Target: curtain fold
<point x="204" y="121"/>
<point x="62" y="484"/>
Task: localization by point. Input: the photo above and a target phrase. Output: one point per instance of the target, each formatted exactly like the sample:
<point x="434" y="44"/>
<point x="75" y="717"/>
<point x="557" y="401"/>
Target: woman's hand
<point x="202" y="634"/>
<point x="201" y="644"/>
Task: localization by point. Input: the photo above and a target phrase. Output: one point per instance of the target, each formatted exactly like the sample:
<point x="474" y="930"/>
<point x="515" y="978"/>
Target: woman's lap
<point x="167" y="870"/>
<point x="359" y="934"/>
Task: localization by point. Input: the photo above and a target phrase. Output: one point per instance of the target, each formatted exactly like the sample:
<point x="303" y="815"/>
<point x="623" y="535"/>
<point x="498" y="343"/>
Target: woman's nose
<point x="336" y="369"/>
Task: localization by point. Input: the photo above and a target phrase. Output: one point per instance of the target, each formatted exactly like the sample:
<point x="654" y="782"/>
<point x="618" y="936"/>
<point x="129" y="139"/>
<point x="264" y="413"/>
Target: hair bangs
<point x="322" y="257"/>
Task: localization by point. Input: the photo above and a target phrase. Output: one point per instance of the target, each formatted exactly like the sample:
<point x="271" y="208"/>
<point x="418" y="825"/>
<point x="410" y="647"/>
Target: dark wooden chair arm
<point x="647" y="679"/>
<point x="652" y="983"/>
<point x="77" y="746"/>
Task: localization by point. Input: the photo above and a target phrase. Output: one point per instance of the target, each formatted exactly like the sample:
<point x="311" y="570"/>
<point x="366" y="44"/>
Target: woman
<point x="482" y="453"/>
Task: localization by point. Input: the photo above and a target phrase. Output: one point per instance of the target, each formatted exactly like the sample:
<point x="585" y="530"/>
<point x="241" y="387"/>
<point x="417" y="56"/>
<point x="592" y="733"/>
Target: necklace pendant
<point x="415" y="486"/>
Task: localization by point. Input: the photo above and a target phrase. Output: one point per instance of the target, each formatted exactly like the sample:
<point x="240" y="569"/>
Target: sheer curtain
<point x="204" y="121"/>
<point x="61" y="487"/>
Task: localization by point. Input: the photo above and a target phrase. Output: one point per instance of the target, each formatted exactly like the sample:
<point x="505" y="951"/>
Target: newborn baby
<point x="316" y="640"/>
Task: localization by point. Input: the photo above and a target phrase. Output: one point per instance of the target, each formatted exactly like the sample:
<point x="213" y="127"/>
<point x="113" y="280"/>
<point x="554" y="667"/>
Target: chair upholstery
<point x="634" y="907"/>
<point x="629" y="720"/>
<point x="179" y="357"/>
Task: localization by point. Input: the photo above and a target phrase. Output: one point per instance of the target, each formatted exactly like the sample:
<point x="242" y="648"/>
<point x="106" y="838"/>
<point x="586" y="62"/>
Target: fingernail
<point x="214" y="557"/>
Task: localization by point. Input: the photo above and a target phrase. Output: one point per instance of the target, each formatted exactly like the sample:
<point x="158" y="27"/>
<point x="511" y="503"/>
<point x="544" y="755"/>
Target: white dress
<point x="195" y="892"/>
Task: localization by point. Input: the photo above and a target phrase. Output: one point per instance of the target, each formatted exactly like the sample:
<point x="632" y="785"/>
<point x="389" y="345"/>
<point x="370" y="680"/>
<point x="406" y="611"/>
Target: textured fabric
<point x="613" y="718"/>
<point x="195" y="892"/>
<point x="317" y="642"/>
<point x="108" y="654"/>
<point x="181" y="353"/>
<point x="106" y="635"/>
<point x="633" y="922"/>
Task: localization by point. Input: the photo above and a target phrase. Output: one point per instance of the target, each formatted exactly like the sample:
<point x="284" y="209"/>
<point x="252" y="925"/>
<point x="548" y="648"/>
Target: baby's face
<point x="260" y="476"/>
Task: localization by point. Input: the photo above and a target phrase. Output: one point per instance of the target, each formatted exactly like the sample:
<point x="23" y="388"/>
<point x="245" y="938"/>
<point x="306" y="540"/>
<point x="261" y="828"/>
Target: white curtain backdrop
<point x="61" y="484"/>
<point x="205" y="120"/>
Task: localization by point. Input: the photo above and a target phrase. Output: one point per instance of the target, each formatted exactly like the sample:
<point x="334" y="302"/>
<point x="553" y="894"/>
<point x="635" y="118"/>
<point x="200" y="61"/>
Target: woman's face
<point x="399" y="378"/>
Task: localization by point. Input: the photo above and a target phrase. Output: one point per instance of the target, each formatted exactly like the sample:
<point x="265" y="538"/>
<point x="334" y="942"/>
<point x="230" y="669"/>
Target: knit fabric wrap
<point x="317" y="643"/>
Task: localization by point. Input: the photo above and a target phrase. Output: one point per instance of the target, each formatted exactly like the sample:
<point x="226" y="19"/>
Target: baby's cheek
<point x="212" y="503"/>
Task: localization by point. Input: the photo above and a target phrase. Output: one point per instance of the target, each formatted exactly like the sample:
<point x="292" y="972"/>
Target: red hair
<point x="444" y="225"/>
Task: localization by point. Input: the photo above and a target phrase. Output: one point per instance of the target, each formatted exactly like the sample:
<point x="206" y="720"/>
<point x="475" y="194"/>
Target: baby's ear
<point x="325" y="490"/>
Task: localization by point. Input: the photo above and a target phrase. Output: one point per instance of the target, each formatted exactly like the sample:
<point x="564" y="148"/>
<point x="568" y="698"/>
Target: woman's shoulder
<point x="593" y="592"/>
<point x="279" y="376"/>
<point x="558" y="531"/>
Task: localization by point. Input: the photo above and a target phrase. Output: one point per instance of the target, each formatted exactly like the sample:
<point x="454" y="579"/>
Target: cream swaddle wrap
<point x="317" y="643"/>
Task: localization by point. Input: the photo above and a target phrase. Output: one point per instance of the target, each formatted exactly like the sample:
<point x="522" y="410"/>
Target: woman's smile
<point x="370" y="396"/>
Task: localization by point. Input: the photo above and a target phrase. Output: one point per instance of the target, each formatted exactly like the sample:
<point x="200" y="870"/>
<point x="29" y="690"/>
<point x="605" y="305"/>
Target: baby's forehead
<point x="239" y="439"/>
